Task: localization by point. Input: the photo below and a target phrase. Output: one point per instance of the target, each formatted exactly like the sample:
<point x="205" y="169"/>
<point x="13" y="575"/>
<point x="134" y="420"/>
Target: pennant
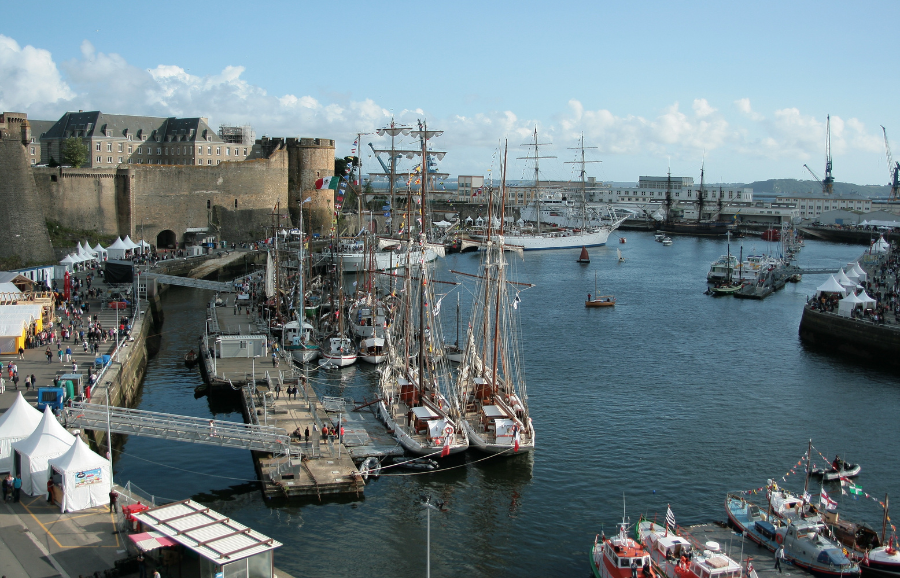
<point x="437" y="306"/>
<point x="516" y="302"/>
<point x="855" y="490"/>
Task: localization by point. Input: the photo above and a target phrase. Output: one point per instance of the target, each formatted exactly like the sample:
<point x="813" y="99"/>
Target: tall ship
<point x="699" y="226"/>
<point x="569" y="224"/>
<point x="491" y="382"/>
<point x="418" y="401"/>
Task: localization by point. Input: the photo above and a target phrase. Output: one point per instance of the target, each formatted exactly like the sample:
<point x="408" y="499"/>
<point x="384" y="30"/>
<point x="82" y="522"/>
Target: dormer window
<point x="108" y="133"/>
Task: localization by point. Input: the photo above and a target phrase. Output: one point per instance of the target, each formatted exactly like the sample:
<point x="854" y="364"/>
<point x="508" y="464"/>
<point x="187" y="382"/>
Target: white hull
<point x="339" y="360"/>
<point x="374" y="359"/>
<point x="384" y="260"/>
<point x="453" y="353"/>
<point x="411" y="445"/>
<point x="304" y="355"/>
<point x="480" y="444"/>
<point x="559" y="240"/>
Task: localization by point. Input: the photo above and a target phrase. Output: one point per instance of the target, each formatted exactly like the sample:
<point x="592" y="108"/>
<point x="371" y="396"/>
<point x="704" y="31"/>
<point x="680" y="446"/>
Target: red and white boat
<point x="620" y="556"/>
<point x="882" y="561"/>
<point x="679" y="557"/>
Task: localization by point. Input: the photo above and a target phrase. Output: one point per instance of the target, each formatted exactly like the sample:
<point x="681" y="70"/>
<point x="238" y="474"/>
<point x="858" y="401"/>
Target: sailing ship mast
<point x="537" y="173"/>
<point x="701" y="193"/>
<point x="582" y="162"/>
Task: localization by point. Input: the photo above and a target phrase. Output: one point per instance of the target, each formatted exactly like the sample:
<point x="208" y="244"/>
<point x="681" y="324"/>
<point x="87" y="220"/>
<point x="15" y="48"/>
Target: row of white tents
<point x="118" y="250"/>
<point x="44" y="447"/>
<point x="846" y="285"/>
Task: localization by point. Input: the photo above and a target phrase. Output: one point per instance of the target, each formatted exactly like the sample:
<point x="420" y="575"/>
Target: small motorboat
<point x="370" y="467"/>
<point x="839" y="469"/>
<point x="725" y="289"/>
<point x="584" y="258"/>
<point x="666" y="241"/>
<point x="621" y="239"/>
<point x="621" y="258"/>
<point x="190" y="358"/>
<point x="420" y="464"/>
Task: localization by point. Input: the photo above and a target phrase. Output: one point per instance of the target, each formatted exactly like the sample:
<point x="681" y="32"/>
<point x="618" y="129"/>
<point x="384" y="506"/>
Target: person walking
<point x="17" y="488"/>
<point x="49" y="355"/>
<point x="306" y="434"/>
<point x="113" y="498"/>
<point x="779" y="556"/>
<point x="142" y="566"/>
<point x="5" y="484"/>
<point x="21" y="353"/>
<point x="68" y="354"/>
<point x="59" y="353"/>
<point x="277" y="390"/>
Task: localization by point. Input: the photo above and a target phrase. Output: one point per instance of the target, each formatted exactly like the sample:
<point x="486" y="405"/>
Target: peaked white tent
<point x="100" y="252"/>
<point x="843" y="280"/>
<point x="144" y="246"/>
<point x="131" y="244"/>
<point x="69" y="260"/>
<point x="49" y="440"/>
<point x="860" y="272"/>
<point x="880" y="246"/>
<point x="86" y="478"/>
<point x="117" y="249"/>
<point x="847" y="304"/>
<point x="17" y="423"/>
<point x="87" y="248"/>
<point x="867" y="299"/>
<point x="79" y="248"/>
<point x="830" y="286"/>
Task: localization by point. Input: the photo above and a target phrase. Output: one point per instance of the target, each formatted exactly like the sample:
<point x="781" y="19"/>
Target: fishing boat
<point x="883" y="561"/>
<point x="599" y="300"/>
<point x="372" y="350"/>
<point x="339" y="351"/>
<point x="418" y="402"/>
<point x="839" y="469"/>
<point x="666" y="241"/>
<point x="584" y="258"/>
<point x="190" y="358"/>
<point x="491" y="382"/>
<point x="615" y="557"/>
<point x="676" y="556"/>
<point x="804" y="541"/>
<point x="298" y="340"/>
<point x="619" y="253"/>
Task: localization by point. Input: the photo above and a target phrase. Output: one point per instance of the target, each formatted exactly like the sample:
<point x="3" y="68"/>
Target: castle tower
<point x="24" y="237"/>
<point x="311" y="159"/>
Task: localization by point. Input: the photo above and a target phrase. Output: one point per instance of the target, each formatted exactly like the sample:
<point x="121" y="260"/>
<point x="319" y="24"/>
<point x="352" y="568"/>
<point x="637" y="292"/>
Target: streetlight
<point x="109" y="436"/>
<point x="426" y="503"/>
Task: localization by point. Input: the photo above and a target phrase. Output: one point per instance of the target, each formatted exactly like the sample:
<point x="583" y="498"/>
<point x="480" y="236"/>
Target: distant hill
<point x="787" y="186"/>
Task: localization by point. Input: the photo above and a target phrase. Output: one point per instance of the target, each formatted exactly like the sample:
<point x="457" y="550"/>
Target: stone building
<point x="116" y="139"/>
<point x="811" y="205"/>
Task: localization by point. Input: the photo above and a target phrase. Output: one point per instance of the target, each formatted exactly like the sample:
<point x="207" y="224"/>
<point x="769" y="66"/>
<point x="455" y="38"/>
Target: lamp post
<point x="109" y="437"/>
<point x="426" y="503"/>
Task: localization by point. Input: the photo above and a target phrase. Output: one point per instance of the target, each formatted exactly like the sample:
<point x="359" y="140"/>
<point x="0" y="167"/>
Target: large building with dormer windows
<point x="117" y="139"/>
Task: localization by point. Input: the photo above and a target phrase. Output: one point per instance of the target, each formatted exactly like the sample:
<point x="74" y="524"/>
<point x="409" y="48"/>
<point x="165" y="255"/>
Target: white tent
<point x="86" y="478"/>
<point x="69" y="260"/>
<point x="79" y="248"/>
<point x="117" y="249"/>
<point x="100" y="251"/>
<point x="867" y="300"/>
<point x="880" y="246"/>
<point x="847" y="304"/>
<point x="144" y="246"/>
<point x="131" y="244"/>
<point x="860" y="272"/>
<point x="441" y="223"/>
<point x="49" y="440"/>
<point x="843" y="280"/>
<point x="830" y="286"/>
<point x="87" y="248"/>
<point x="17" y="423"/>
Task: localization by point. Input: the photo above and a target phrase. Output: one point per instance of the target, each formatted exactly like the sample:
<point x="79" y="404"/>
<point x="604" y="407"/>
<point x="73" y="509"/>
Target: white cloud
<point x="28" y="77"/>
<point x="702" y="108"/>
<point x="743" y="105"/>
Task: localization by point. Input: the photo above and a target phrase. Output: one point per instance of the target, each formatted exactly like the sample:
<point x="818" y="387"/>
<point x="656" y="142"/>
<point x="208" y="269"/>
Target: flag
<point x="670" y="518"/>
<point x="448" y="435"/>
<point x="437" y="306"/>
<point x="516" y="438"/>
<point x="824" y="500"/>
<point x="516" y="302"/>
<point x="328" y="182"/>
<point x="855" y="490"/>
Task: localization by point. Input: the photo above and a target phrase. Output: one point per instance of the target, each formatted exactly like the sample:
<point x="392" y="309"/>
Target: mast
<point x="885" y="519"/>
<point x="700" y="194"/>
<point x="537" y="173"/>
<point x="582" y="162"/>
<point x="669" y="197"/>
<point x="808" y="459"/>
<point x="499" y="282"/>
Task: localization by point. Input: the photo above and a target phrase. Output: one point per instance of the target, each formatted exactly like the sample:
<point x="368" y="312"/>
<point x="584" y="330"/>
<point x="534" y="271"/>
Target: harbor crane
<point x="828" y="181"/>
<point x="815" y="176"/>
<point x="893" y="168"/>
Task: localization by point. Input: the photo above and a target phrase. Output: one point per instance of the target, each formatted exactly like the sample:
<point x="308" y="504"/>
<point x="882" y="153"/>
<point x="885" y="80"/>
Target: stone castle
<point x="164" y="205"/>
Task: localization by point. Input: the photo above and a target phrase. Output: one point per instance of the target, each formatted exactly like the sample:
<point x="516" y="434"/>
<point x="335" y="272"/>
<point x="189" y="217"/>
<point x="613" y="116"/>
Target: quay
<point x="261" y="377"/>
<point x="740" y="548"/>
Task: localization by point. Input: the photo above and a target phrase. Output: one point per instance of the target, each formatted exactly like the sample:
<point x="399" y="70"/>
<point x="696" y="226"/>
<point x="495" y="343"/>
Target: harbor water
<point x="670" y="397"/>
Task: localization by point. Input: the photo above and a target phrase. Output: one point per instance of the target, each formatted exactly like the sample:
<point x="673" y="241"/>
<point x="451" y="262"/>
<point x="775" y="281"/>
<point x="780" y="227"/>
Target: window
<point x="167" y="151"/>
<point x="129" y="149"/>
<point x="120" y="147"/>
<point x="158" y="150"/>
<point x="99" y="159"/>
<point x="109" y="160"/>
<point x="139" y="151"/>
<point x="129" y="137"/>
<point x="227" y="151"/>
<point x="199" y="150"/>
<point x="209" y="161"/>
<point x="245" y="152"/>
<point x="199" y="161"/>
<point x="33" y="162"/>
<point x="109" y="147"/>
<point x="120" y="159"/>
<point x="32" y="150"/>
<point x="98" y="147"/>
<point x="32" y="140"/>
<point x="218" y="151"/>
<point x="209" y="150"/>
<point x="218" y="162"/>
<point x="108" y="133"/>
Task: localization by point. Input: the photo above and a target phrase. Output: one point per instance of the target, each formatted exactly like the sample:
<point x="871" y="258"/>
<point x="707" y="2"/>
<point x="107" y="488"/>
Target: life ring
<point x="779" y="538"/>
<point x="448" y="430"/>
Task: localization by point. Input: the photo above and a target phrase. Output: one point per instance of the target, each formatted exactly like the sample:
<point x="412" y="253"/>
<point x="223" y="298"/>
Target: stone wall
<point x="79" y="198"/>
<point x="24" y="235"/>
<point x="853" y="337"/>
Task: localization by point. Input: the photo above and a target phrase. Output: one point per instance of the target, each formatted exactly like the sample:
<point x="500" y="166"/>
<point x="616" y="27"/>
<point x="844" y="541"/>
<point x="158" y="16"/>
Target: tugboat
<point x="615" y="557"/>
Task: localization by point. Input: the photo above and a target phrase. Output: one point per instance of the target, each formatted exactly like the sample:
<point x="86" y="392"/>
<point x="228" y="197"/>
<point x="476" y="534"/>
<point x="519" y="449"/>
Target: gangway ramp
<point x="182" y="428"/>
<point x="188" y="282"/>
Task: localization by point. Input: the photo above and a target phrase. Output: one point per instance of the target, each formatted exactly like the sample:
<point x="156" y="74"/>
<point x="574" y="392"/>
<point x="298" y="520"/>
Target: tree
<point x="74" y="152"/>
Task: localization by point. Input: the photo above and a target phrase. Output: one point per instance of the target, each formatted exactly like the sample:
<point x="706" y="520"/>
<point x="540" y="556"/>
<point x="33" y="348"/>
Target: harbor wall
<point x="861" y="339"/>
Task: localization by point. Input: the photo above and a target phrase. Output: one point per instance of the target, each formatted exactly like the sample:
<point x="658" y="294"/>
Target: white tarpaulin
<point x="17" y="423"/>
<point x="86" y="478"/>
<point x="49" y="440"/>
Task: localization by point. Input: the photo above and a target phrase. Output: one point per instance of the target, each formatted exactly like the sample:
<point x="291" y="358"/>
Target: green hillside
<point x="787" y="186"/>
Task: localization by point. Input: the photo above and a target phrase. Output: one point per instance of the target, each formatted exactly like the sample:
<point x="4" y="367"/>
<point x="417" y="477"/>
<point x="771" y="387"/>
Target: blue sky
<point x="747" y="84"/>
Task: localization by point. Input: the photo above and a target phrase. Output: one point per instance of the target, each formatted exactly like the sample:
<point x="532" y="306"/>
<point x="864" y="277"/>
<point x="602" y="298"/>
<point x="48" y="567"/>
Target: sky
<point x="742" y="88"/>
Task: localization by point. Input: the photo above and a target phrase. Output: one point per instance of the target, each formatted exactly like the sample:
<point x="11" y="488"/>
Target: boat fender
<point x="779" y="538"/>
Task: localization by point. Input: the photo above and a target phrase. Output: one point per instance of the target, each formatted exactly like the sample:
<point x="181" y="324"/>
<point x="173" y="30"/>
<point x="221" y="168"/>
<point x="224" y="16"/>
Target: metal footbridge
<point x="188" y="282"/>
<point x="182" y="428"/>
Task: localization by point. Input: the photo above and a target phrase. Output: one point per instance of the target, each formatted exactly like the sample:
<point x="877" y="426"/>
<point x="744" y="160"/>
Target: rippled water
<point x="671" y="397"/>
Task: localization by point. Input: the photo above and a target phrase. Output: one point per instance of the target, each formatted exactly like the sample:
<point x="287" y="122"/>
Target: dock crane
<point x="828" y="181"/>
<point x="815" y="176"/>
<point x="893" y="168"/>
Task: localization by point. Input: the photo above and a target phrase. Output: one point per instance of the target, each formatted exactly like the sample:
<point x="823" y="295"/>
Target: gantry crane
<point x="893" y="168"/>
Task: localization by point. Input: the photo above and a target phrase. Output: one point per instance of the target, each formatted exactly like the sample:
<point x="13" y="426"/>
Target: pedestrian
<point x="15" y="381"/>
<point x="17" y="488"/>
<point x="59" y="352"/>
<point x="50" y="491"/>
<point x="277" y="390"/>
<point x="85" y="346"/>
<point x="212" y="429"/>
<point x="5" y="485"/>
<point x="142" y="566"/>
<point x="274" y="359"/>
<point x="74" y="368"/>
<point x="49" y="355"/>
<point x="779" y="556"/>
<point x="113" y="498"/>
<point x="33" y="381"/>
<point x="27" y="383"/>
<point x="68" y="354"/>
<point x="2" y="384"/>
<point x="306" y="434"/>
<point x="21" y="353"/>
